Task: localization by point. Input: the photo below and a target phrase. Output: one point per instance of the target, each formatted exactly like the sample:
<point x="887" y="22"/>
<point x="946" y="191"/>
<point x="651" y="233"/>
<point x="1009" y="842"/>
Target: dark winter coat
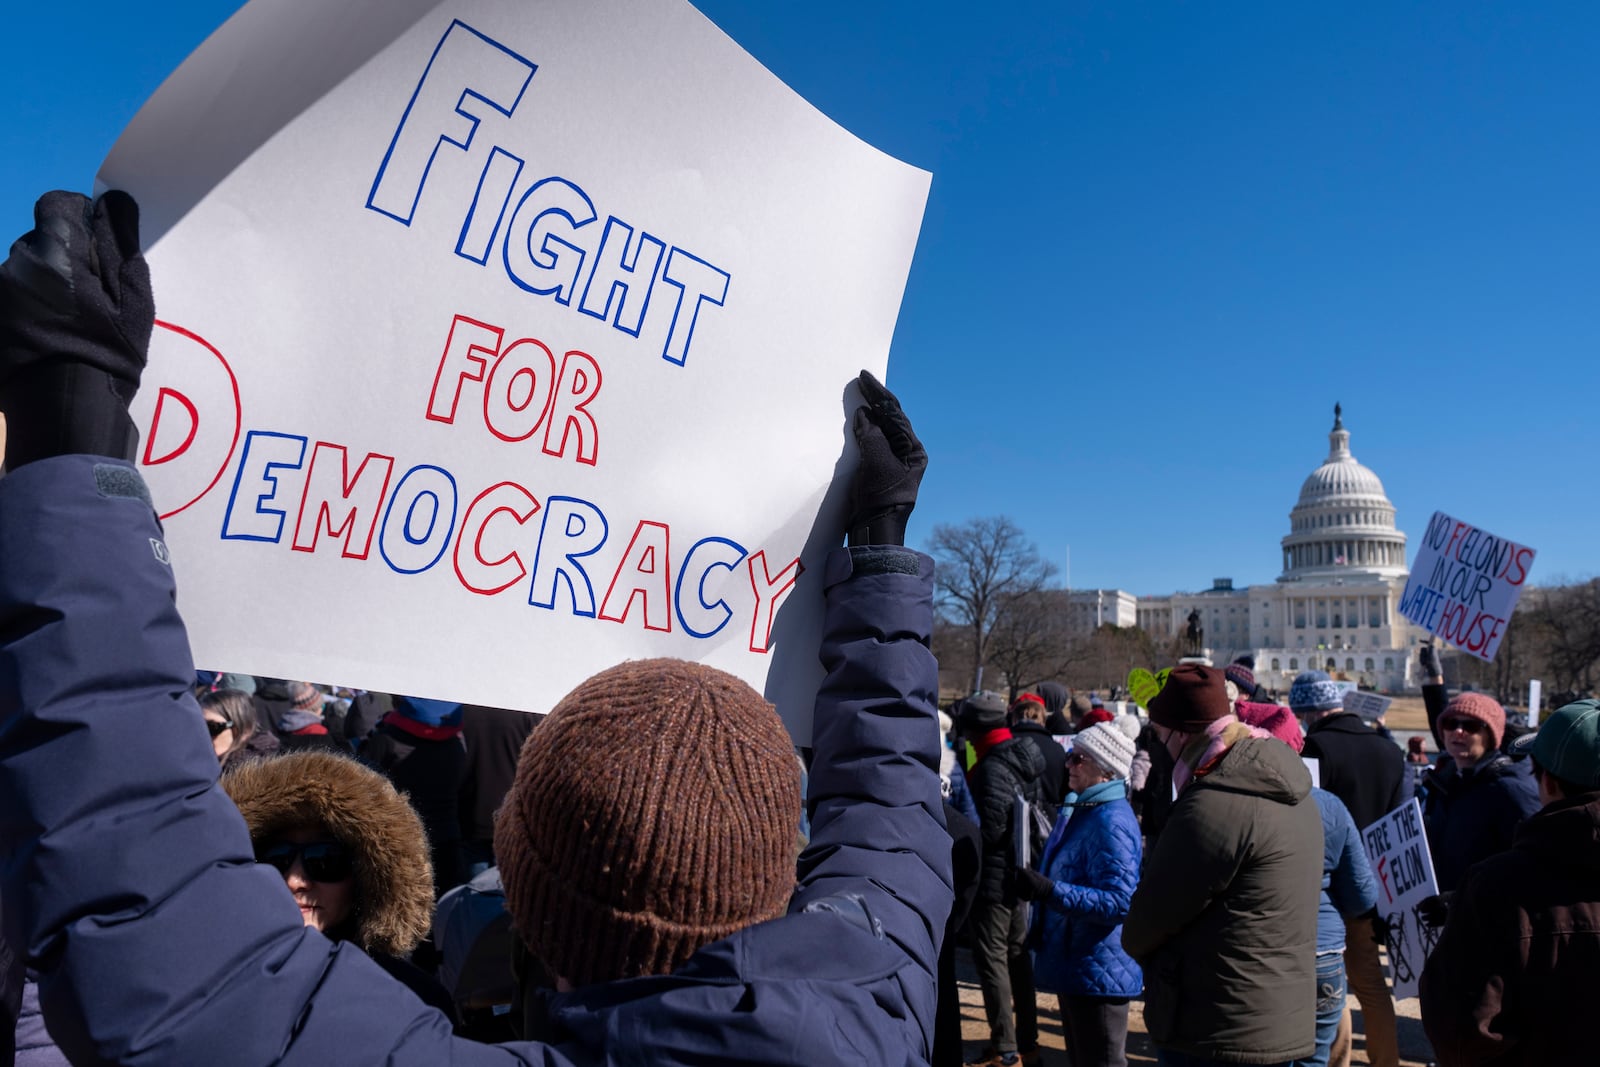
<point x="966" y="857"/>
<point x="430" y="772"/>
<point x="311" y="739"/>
<point x="1154" y="801"/>
<point x="1010" y="769"/>
<point x="183" y="951"/>
<point x="1053" y="779"/>
<point x="494" y="739"/>
<point x="366" y="711"/>
<point x="1358" y="765"/>
<point x="1224" y="922"/>
<point x="1093" y="858"/>
<point x="1473" y="815"/>
<point x="1515" y="977"/>
<point x="261" y="744"/>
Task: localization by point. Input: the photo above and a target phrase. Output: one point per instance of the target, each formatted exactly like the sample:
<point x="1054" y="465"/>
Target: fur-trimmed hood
<point x="360" y="809"/>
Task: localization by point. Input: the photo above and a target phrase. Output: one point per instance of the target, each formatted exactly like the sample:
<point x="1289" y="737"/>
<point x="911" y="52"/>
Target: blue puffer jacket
<point x="118" y="849"/>
<point x="1093" y="858"/>
<point x="1348" y="888"/>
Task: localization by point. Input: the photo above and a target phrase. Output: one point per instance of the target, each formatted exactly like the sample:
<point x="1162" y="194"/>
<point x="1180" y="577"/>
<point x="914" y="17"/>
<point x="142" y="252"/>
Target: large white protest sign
<point x="502" y="340"/>
<point x="1397" y="848"/>
<point x="1464" y="584"/>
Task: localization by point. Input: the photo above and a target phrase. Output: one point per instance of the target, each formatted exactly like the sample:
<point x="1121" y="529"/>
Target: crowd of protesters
<point x="326" y="876"/>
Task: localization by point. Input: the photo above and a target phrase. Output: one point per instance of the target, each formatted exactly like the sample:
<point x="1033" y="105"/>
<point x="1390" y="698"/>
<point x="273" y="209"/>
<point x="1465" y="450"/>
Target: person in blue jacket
<point x="1090" y="868"/>
<point x="117" y="845"/>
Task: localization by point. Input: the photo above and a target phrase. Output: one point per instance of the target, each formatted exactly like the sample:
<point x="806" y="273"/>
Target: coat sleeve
<point x="1434" y="699"/>
<point x="1106" y="888"/>
<point x="1197" y="856"/>
<point x="877" y="819"/>
<point x="1469" y="985"/>
<point x="119" y="848"/>
<point x="1351" y="886"/>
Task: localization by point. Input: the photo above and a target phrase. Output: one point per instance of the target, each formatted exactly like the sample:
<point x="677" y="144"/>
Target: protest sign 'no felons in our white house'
<point x="1464" y="584"/>
<point x="501" y="341"/>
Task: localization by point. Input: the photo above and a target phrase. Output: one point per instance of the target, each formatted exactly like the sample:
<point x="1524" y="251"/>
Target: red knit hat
<point x="1194" y="697"/>
<point x="1095" y="717"/>
<point x="1478" y="706"/>
<point x="654" y="811"/>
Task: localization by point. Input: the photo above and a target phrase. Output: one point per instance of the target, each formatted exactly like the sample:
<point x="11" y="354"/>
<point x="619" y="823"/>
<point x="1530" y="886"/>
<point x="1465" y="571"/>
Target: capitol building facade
<point x="1334" y="607"/>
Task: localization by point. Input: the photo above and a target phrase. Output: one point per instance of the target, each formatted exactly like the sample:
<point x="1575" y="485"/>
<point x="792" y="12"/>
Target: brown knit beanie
<point x="654" y="811"/>
<point x="1194" y="697"/>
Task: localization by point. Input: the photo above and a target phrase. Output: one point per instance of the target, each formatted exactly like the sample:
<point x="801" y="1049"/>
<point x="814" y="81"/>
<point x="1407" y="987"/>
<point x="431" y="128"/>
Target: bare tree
<point x="983" y="564"/>
<point x="1032" y="640"/>
<point x="1554" y="635"/>
<point x="1111" y="652"/>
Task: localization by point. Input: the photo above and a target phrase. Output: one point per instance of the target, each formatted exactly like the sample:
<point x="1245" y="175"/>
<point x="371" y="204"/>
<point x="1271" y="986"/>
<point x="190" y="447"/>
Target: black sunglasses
<point x="323" y="861"/>
<point x="215" y="728"/>
<point x="1471" y="726"/>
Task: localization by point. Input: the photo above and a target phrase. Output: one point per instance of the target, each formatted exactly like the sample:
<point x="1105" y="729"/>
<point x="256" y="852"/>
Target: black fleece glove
<point x="1380" y="927"/>
<point x="76" y="314"/>
<point x="1031" y="885"/>
<point x="1428" y="656"/>
<point x="892" y="461"/>
<point x="1434" y="910"/>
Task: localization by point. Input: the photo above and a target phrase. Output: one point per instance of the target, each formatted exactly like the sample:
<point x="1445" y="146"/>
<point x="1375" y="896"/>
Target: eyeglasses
<point x="323" y="861"/>
<point x="1471" y="726"/>
<point x="216" y="729"/>
<point x="1075" y="758"/>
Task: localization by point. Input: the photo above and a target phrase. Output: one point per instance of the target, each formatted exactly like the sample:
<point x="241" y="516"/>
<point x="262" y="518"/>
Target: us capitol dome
<point x="1335" y="603"/>
<point x="1343" y="520"/>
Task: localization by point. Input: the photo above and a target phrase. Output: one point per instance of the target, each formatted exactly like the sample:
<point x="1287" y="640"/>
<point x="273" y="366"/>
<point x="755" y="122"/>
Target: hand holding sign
<point x="75" y="321"/>
<point x="892" y="463"/>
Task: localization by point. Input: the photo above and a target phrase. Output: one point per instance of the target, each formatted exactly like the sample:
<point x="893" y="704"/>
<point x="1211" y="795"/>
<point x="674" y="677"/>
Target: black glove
<point x="76" y="314"/>
<point x="1428" y="656"/>
<point x="1434" y="910"/>
<point x="1380" y="927"/>
<point x="1031" y="885"/>
<point x="892" y="461"/>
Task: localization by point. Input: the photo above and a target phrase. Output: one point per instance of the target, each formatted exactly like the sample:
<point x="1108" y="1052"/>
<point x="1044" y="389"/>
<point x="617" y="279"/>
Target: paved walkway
<point x="1414" y="1046"/>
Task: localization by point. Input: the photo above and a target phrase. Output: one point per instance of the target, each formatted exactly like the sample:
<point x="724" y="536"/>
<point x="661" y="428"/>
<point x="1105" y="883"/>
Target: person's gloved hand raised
<point x="1428" y="656"/>
<point x="892" y="461"/>
<point x="76" y="315"/>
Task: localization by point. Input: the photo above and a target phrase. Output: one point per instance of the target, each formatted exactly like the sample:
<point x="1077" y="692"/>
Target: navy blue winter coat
<point x="161" y="942"/>
<point x="1093" y="858"/>
<point x="1473" y="815"/>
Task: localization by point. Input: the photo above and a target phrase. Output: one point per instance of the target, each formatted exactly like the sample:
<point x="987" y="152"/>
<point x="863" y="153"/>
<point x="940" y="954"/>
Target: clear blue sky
<point x="1162" y="240"/>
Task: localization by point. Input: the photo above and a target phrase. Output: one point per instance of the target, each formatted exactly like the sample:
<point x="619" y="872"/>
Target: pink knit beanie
<point x="1482" y="707"/>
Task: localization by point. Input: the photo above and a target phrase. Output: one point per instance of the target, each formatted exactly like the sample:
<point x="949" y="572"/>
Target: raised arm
<point x="878" y="842"/>
<point x="118" y="847"/>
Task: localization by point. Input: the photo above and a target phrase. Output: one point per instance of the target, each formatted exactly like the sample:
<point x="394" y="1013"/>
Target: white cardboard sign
<point x="1464" y="584"/>
<point x="500" y="341"/>
<point x="1397" y="848"/>
<point x="1369" y="706"/>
